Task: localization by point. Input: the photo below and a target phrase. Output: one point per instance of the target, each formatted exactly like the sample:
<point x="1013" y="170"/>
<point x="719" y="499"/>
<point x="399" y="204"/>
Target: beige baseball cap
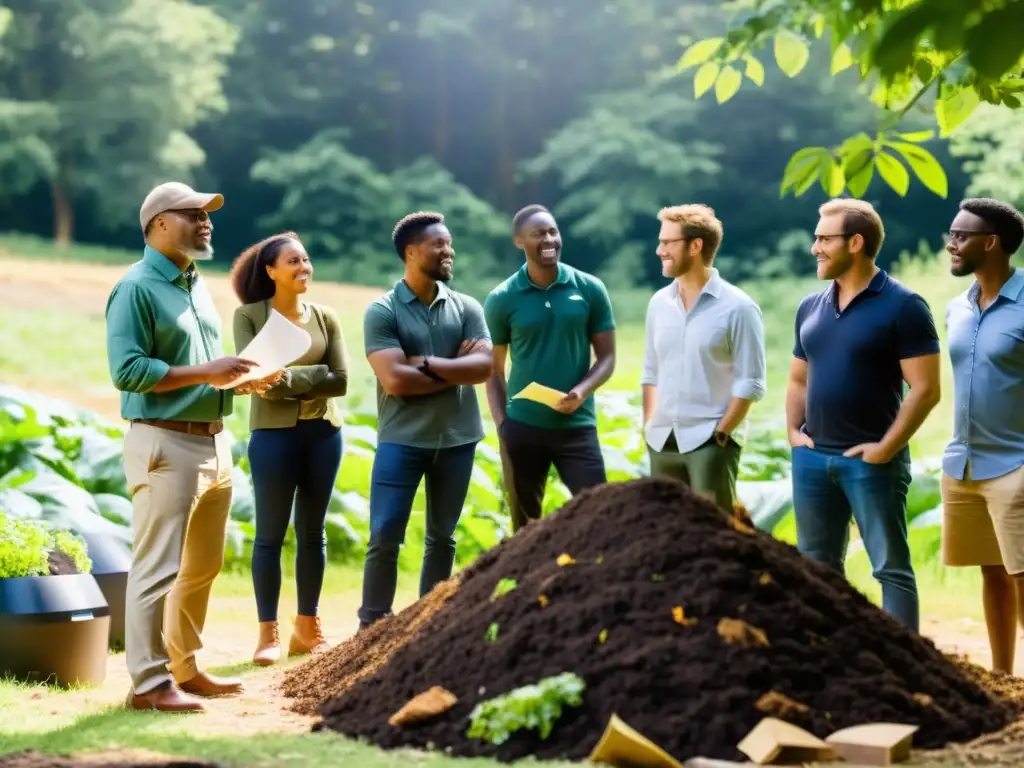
<point x="175" y="195"/>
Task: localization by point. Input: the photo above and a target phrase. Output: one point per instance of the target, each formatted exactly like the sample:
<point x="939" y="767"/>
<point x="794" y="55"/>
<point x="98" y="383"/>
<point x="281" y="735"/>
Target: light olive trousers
<point x="708" y="470"/>
<point x="180" y="486"/>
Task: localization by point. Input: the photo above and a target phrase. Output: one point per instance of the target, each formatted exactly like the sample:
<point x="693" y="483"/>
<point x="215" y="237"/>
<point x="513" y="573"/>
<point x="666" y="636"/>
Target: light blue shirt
<point x="987" y="350"/>
<point x="701" y="359"/>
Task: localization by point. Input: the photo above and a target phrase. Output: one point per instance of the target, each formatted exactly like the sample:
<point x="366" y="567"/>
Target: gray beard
<point x="200" y="254"/>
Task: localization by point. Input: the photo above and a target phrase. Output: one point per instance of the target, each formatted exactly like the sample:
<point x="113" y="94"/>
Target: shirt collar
<point x="524" y="283"/>
<point x="1012" y="290"/>
<point x="166" y="268"/>
<point x="875" y="286"/>
<point x="713" y="287"/>
<point x="407" y="296"/>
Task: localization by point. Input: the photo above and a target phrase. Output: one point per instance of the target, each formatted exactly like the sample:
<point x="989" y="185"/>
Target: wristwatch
<point x="426" y="370"/>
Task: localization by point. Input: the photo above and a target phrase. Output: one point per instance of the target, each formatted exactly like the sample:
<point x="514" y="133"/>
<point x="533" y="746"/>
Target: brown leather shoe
<point x="207" y="685"/>
<point x="164" y="698"/>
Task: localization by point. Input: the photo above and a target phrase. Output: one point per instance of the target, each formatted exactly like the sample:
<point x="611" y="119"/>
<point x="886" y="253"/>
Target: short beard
<point x="200" y="254"/>
<point x="437" y="275"/>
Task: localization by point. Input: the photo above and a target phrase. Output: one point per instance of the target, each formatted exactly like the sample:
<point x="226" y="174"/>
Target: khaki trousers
<point x="180" y="486"/>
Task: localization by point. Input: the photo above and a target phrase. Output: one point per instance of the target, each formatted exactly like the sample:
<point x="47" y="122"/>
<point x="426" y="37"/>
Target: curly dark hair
<point x="410" y="228"/>
<point x="249" y="275"/>
<point x="1005" y="220"/>
<point x="523" y="215"/>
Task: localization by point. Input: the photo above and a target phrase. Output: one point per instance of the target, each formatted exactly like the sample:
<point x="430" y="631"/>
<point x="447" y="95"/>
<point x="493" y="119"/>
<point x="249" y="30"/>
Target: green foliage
<point x="534" y="707"/>
<point x="991" y="144"/>
<point x="25" y="546"/>
<point x="97" y="96"/>
<point x="346" y="208"/>
<point x="957" y="54"/>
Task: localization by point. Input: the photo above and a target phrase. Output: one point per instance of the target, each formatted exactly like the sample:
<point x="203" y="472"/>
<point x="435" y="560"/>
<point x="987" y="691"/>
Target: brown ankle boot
<point x="268" y="649"/>
<point x="307" y="636"/>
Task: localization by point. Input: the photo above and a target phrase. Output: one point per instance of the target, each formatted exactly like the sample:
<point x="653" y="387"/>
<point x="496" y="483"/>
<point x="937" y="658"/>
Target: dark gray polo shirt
<point x="400" y="320"/>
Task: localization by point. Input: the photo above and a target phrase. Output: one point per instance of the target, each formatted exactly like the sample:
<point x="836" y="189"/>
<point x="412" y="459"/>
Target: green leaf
<point x="705" y="78"/>
<point x="841" y="59"/>
<point x="832" y="178"/>
<point x="819" y="26"/>
<point x="859" y="168"/>
<point x="893" y="173"/>
<point x="917" y="136"/>
<point x="803" y="168"/>
<point x="727" y="84"/>
<point x="791" y="53"/>
<point x="952" y="111"/>
<point x="700" y="52"/>
<point x="1011" y="101"/>
<point x="894" y="51"/>
<point x="754" y="70"/>
<point x="924" y="164"/>
<point x="994" y="45"/>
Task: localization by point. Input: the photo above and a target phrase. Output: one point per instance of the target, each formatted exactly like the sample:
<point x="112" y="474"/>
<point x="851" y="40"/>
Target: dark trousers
<point x="527" y="455"/>
<point x="709" y="470"/>
<point x="397" y="473"/>
<point x="290" y="467"/>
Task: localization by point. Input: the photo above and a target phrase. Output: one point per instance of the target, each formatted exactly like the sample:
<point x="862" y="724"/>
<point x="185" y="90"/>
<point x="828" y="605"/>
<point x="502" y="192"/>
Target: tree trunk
<point x="63" y="213"/>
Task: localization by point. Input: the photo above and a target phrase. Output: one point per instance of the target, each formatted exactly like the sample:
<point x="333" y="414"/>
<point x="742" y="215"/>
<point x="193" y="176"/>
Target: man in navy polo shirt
<point x="983" y="468"/>
<point x="857" y="342"/>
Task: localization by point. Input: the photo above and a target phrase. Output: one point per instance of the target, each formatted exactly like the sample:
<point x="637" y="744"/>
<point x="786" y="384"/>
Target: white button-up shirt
<point x="701" y="359"/>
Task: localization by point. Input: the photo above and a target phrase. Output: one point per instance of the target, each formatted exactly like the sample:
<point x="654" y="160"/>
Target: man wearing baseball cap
<point x="165" y="356"/>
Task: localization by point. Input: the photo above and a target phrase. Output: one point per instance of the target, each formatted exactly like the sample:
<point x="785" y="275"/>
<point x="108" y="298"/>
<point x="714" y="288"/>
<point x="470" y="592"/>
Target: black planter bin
<point x="54" y="630"/>
<point x="111" y="560"/>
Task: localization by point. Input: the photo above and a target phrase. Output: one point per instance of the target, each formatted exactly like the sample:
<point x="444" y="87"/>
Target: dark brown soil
<point x="60" y="564"/>
<point x="33" y="759"/>
<point x="679" y="618"/>
<point x="331" y="674"/>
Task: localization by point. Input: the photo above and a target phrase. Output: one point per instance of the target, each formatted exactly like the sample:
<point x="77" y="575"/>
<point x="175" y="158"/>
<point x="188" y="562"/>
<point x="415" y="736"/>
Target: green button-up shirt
<point x="398" y="319"/>
<point x="159" y="317"/>
<point x="548" y="332"/>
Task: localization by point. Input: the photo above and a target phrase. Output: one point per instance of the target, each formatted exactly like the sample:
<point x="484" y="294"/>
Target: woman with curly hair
<point x="295" y="445"/>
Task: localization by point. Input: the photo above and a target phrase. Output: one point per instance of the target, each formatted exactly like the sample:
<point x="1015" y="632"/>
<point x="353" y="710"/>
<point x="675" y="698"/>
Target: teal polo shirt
<point x="159" y="317"/>
<point x="399" y="320"/>
<point x="548" y="333"/>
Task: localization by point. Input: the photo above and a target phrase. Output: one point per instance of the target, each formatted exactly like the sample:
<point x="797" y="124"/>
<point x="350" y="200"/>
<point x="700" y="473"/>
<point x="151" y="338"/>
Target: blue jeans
<point x="397" y="472"/>
<point x="827" y="489"/>
<point x="293" y="466"/>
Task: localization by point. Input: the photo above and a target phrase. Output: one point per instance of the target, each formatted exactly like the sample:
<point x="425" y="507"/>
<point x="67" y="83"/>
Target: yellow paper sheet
<point x="540" y="394"/>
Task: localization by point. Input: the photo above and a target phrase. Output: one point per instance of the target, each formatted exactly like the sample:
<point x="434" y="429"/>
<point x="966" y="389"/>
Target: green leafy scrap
<point x="532" y="707"/>
<point x="502" y="588"/>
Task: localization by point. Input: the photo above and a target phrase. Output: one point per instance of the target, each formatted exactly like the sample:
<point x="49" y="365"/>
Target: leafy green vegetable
<point x="25" y="546"/>
<point x="534" y="707"/>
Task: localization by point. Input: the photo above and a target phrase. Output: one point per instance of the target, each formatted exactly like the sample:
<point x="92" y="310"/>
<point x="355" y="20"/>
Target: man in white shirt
<point x="704" y="360"/>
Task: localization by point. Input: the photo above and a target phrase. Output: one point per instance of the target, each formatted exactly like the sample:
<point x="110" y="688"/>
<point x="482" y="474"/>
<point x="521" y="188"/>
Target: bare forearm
<point x="650" y="401"/>
<point x="734" y="414"/>
<point x="596" y="376"/>
<point x="497" y="394"/>
<point x="915" y="409"/>
<point x="474" y="368"/>
<point x="181" y="376"/>
<point x="407" y="381"/>
<point x="796" y="406"/>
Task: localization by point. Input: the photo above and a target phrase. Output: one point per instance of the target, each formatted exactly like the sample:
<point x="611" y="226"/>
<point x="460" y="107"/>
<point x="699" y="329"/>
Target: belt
<point x="203" y="428"/>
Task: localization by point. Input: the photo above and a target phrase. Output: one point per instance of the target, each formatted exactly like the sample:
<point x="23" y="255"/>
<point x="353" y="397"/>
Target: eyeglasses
<point x="962" y="236"/>
<point x="194" y="215"/>
<point x="843" y="235"/>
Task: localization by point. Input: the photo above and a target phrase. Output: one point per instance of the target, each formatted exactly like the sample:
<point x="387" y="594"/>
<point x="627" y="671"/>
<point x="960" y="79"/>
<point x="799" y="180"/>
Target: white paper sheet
<point x="278" y="343"/>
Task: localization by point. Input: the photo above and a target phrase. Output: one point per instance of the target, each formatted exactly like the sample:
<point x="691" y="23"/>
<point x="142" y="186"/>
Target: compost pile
<point x="684" y="621"/>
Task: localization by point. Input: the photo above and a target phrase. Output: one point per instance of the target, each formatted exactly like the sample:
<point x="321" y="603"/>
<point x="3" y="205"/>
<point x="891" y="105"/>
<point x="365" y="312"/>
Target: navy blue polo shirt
<point x="854" y="380"/>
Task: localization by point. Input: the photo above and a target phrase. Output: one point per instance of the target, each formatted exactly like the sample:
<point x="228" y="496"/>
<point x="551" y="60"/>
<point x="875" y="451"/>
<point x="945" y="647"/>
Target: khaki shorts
<point x="983" y="521"/>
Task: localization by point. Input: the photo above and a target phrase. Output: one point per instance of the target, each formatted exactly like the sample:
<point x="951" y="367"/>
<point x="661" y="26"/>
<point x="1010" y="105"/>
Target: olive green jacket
<point x="279" y="406"/>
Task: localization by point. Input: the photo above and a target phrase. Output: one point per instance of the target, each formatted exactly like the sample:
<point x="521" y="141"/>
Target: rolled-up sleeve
<point x="129" y="318"/>
<point x="749" y="358"/>
<point x="649" y="374"/>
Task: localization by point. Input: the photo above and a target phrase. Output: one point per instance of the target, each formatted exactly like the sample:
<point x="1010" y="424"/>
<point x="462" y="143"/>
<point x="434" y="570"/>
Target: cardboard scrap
<point x="774" y="741"/>
<point x="622" y="746"/>
<point x="874" y="743"/>
<point x="738" y="632"/>
<point x="424" y="706"/>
